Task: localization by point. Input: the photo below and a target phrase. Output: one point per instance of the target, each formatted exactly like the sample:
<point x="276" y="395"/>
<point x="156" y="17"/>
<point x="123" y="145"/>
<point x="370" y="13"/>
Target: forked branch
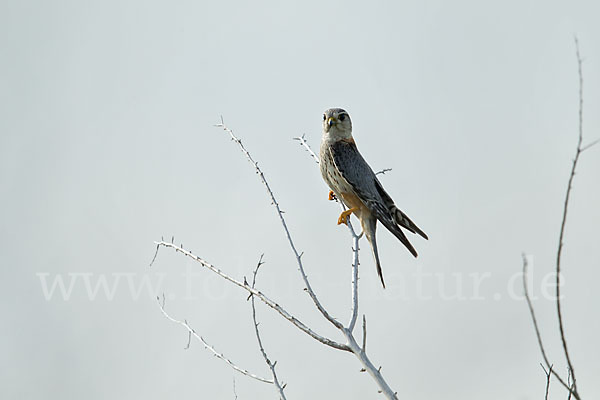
<point x="351" y="344"/>
<point x="571" y="381"/>
<point x="193" y="333"/>
<point x="251" y="291"/>
<point x="270" y="364"/>
<point x="298" y="256"/>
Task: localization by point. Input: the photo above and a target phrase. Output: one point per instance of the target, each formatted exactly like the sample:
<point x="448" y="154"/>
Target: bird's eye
<point x="324" y="117"/>
<point x="342" y="117"/>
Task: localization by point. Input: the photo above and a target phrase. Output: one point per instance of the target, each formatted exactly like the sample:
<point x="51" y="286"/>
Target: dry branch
<point x="359" y="352"/>
<point x="244" y="285"/>
<point x="548" y="376"/>
<point x="270" y="364"/>
<point x="298" y="256"/>
<point x="351" y="343"/>
<point x="220" y="356"/>
<point x="571" y="383"/>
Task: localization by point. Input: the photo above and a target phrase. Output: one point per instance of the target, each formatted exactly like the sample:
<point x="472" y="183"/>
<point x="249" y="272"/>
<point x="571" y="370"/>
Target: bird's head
<point x="337" y="124"/>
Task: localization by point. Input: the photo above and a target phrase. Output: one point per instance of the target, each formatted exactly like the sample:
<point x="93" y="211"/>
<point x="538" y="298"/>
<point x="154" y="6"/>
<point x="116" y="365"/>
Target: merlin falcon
<point x="353" y="181"/>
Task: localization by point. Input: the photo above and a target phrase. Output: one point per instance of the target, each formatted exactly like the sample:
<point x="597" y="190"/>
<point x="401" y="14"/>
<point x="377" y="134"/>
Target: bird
<point x="353" y="181"/>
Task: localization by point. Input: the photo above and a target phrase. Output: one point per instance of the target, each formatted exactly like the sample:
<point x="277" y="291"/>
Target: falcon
<point x="353" y="181"/>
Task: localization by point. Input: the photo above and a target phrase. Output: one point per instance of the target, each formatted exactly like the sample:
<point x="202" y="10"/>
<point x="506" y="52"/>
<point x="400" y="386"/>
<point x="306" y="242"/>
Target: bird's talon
<point x="332" y="196"/>
<point x="344" y="215"/>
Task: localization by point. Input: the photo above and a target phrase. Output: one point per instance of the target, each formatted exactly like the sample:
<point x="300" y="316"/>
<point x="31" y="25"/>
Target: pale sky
<point x="108" y="143"/>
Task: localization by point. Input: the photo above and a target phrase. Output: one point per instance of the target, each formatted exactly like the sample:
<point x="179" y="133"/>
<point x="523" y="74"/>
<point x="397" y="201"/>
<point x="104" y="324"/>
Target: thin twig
<point x="244" y="285"/>
<point x="303" y="142"/>
<point x="535" y="324"/>
<point x="548" y="376"/>
<point x="156" y="252"/>
<point x="531" y="311"/>
<point x="383" y="171"/>
<point x="570" y="385"/>
<point x="258" y="338"/>
<point x="193" y="333"/>
<point x="564" y="222"/>
<point x="298" y="256"/>
<point x="587" y="146"/>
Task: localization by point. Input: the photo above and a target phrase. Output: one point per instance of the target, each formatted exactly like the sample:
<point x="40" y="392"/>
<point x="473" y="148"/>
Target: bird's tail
<point x="398" y="216"/>
<point x="395" y="229"/>
<point x="369" y="226"/>
<point x="403" y="220"/>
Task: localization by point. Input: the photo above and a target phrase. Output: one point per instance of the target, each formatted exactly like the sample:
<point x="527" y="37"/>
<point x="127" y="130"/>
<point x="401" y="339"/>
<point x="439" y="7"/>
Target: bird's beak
<point x="331" y="121"/>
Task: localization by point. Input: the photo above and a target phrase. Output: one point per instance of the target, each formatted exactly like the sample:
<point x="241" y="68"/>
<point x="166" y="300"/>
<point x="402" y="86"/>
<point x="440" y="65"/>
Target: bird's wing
<point x="400" y="218"/>
<point x="354" y="169"/>
<point x="359" y="175"/>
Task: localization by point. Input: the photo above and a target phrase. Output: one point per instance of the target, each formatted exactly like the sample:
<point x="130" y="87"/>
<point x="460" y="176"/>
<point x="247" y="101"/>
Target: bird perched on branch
<point x="353" y="181"/>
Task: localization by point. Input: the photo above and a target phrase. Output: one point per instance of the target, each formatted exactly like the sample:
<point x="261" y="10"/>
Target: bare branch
<point x="548" y="376"/>
<point x="355" y="264"/>
<point x="355" y="247"/>
<point x="383" y="171"/>
<point x="564" y="222"/>
<point x="369" y="367"/>
<point x="303" y="142"/>
<point x="570" y="385"/>
<point x="244" y="285"/>
<point x="532" y="312"/>
<point x="364" y="346"/>
<point x="309" y="289"/>
<point x="156" y="252"/>
<point x="358" y="352"/>
<point x="189" y="338"/>
<point x="192" y="332"/>
<point x="260" y="345"/>
<point x="587" y="146"/>
<point x="535" y="324"/>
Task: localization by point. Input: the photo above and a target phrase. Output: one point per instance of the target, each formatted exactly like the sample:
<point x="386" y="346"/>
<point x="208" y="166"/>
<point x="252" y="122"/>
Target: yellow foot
<point x="332" y="195"/>
<point x="346" y="214"/>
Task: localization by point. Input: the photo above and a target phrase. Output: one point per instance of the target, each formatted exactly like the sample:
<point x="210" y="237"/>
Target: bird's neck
<point x="335" y="135"/>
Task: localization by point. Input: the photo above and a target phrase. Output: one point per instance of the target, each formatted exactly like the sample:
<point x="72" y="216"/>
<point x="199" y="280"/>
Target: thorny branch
<point x="270" y="364"/>
<point x="192" y="332"/>
<point x="298" y="256"/>
<point x="355" y="265"/>
<point x="244" y="285"/>
<point x="302" y="140"/>
<point x="351" y="343"/>
<point x="355" y="247"/>
<point x="304" y="143"/>
<point x="359" y="352"/>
